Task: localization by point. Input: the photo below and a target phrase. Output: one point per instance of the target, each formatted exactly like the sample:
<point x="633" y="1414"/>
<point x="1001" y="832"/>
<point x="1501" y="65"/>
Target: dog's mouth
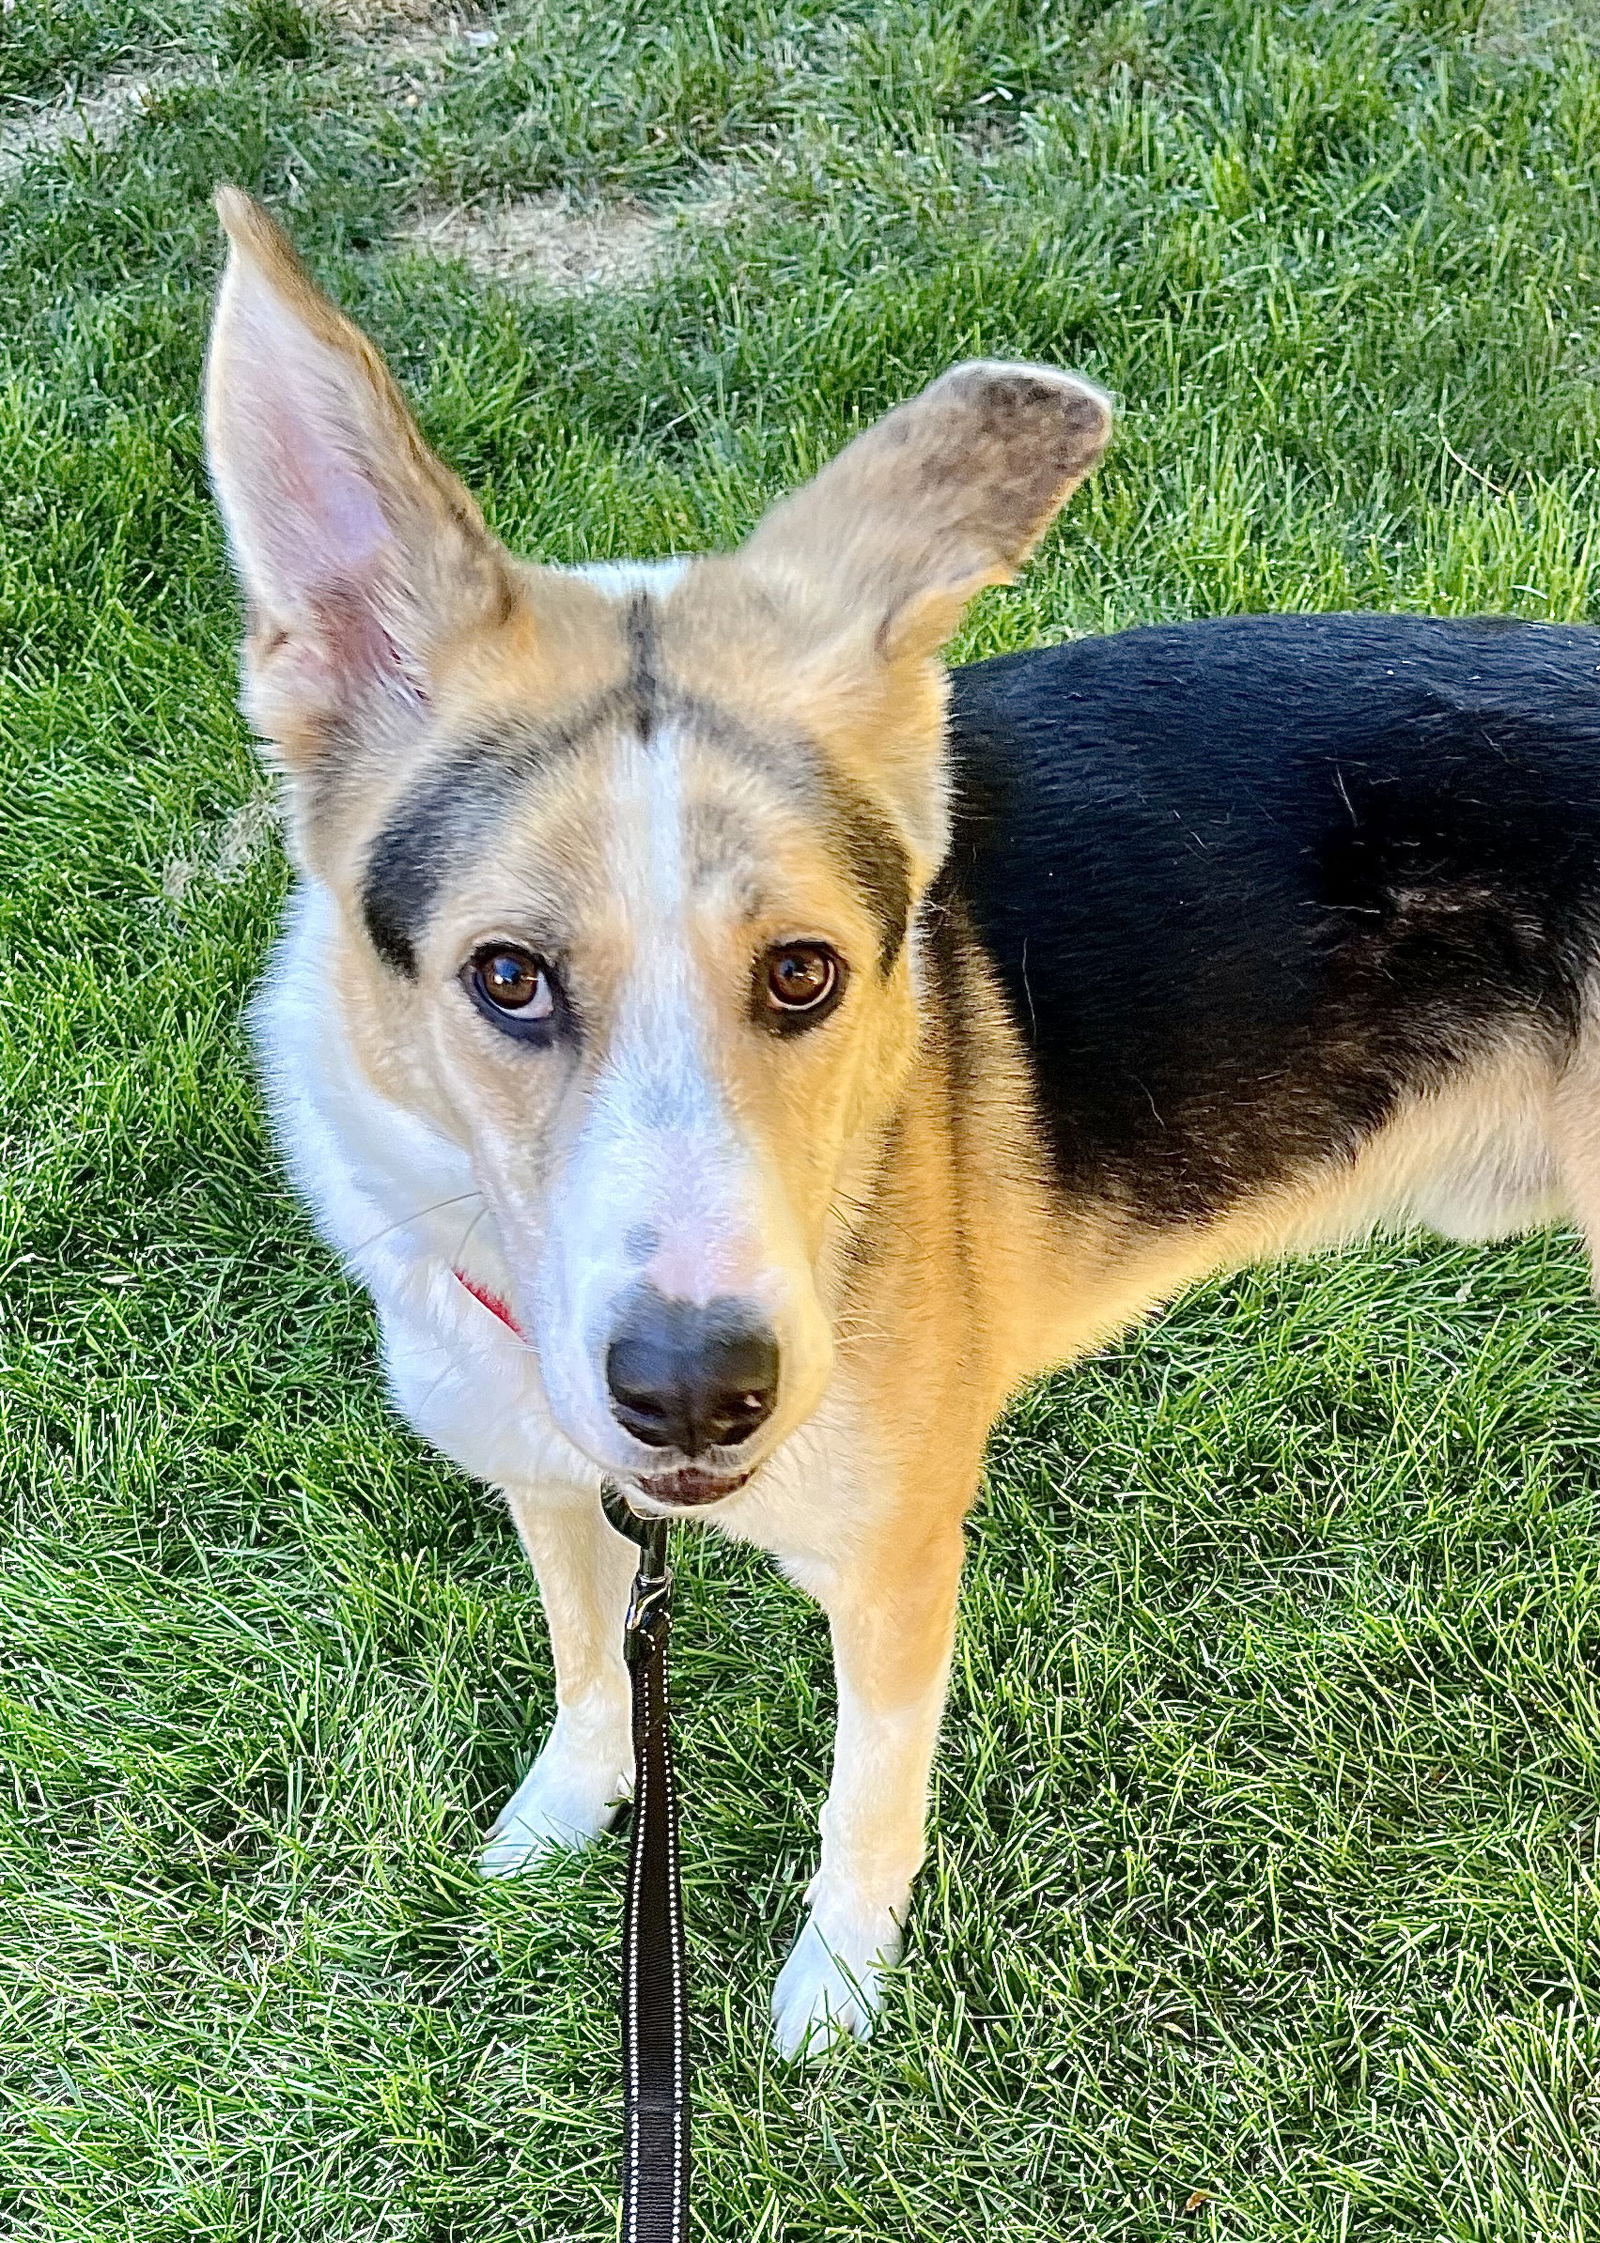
<point x="690" y="1486"/>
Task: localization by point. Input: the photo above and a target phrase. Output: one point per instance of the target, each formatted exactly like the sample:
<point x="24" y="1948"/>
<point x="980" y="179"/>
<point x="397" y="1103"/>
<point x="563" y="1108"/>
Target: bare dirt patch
<point x="100" y="115"/>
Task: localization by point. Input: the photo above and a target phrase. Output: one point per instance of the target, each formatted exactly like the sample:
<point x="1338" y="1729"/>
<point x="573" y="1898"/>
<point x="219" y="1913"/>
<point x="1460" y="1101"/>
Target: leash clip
<point x="649" y="1608"/>
<point x="649" y="1620"/>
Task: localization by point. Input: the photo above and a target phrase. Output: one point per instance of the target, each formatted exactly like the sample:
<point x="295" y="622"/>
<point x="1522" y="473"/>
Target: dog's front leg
<point x="585" y="1572"/>
<point x="892" y="1613"/>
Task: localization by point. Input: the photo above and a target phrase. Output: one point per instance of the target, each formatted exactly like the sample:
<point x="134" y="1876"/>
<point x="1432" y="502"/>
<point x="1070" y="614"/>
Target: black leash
<point x="655" y="1991"/>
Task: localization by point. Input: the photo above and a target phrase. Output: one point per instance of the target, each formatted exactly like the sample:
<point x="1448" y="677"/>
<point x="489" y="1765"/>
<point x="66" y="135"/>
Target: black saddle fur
<point x="1246" y="883"/>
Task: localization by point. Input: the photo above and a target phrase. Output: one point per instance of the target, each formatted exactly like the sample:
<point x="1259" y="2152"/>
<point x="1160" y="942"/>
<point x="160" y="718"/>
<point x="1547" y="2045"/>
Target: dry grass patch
<point x="384" y="15"/>
<point x="411" y="38"/>
<point x="548" y="242"/>
<point x="226" y="851"/>
<point x="101" y="115"/>
<point x="1535" y="31"/>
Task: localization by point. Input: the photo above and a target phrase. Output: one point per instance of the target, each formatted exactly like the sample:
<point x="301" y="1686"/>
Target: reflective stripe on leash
<point x="655" y="1991"/>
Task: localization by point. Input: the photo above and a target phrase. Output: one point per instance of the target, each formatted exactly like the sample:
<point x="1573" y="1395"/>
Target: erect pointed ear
<point x="361" y="557"/>
<point x="948" y="493"/>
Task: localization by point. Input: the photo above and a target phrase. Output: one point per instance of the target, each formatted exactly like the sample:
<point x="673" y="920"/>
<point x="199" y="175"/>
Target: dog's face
<point x="629" y="865"/>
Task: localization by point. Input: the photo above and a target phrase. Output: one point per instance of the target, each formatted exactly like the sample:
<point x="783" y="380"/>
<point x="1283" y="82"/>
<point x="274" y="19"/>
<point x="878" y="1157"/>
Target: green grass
<point x="1265" y="1895"/>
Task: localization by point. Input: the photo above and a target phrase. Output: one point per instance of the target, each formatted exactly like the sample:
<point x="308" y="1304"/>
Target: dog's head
<point x="629" y="865"/>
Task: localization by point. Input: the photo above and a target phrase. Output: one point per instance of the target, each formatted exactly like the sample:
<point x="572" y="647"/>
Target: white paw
<point x="831" y="1986"/>
<point x="567" y="1798"/>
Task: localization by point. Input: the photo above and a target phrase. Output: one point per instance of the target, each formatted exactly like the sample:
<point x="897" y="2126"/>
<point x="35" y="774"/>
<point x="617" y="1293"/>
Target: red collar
<point x="493" y="1303"/>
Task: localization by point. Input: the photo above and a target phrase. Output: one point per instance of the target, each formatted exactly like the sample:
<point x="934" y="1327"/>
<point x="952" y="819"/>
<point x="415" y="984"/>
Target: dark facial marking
<point x="873" y="853"/>
<point x="719" y="851"/>
<point x="877" y="861"/>
<point x="455" y="808"/>
<point x="458" y="805"/>
<point x="642" y="685"/>
<point x="429" y="831"/>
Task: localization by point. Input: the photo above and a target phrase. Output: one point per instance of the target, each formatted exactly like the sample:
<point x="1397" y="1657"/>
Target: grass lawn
<point x="1264" y="1895"/>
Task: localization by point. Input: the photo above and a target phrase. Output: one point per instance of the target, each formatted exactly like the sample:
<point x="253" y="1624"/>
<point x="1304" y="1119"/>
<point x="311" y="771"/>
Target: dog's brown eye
<point x="800" y="982"/>
<point x="513" y="981"/>
<point x="512" y="987"/>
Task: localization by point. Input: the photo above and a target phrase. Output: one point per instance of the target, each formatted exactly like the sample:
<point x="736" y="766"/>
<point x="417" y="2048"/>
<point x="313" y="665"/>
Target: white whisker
<point x="419" y="1215"/>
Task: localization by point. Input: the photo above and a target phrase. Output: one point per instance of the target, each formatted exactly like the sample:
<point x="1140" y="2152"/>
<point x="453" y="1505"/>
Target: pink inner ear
<point x="318" y="521"/>
<point x="294" y="446"/>
<point x="329" y="551"/>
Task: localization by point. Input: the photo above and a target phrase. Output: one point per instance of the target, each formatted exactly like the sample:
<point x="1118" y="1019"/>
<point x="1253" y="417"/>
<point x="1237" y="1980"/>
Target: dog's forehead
<point x="646" y="729"/>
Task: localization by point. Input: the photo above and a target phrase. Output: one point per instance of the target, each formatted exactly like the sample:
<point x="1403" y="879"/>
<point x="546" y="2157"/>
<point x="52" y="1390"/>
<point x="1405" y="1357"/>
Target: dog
<point x="736" y="1055"/>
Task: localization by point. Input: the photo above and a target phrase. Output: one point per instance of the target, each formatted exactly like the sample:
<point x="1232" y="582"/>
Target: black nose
<point x="690" y="1378"/>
